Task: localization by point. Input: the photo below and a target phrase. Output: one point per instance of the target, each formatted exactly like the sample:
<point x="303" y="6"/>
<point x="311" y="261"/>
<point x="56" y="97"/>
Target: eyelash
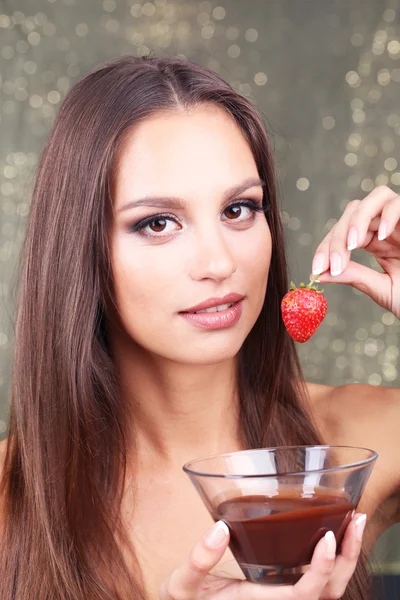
<point x="139" y="227"/>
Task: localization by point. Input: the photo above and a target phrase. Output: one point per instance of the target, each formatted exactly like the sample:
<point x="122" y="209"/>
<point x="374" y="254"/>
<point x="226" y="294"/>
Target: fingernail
<point x="352" y="239"/>
<point x="318" y="263"/>
<point x="382" y="231"/>
<point x="360" y="526"/>
<point x="336" y="264"/>
<point x="216" y="535"/>
<point x="330" y="545"/>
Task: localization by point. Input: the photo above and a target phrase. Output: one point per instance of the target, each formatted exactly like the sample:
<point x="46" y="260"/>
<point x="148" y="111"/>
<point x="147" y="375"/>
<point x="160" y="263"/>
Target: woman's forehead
<point x="174" y="152"/>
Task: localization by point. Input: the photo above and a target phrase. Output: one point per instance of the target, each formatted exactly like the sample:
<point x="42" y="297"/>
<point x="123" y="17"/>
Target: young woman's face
<point x="188" y="230"/>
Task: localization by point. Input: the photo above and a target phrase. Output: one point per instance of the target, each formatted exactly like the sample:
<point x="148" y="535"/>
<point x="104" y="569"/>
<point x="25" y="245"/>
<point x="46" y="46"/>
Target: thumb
<point x="187" y="579"/>
<point x="374" y="284"/>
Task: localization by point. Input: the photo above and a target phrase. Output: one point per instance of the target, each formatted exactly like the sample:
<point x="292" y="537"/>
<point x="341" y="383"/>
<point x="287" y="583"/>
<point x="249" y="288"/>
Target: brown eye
<point x="233" y="212"/>
<point x="158" y="225"/>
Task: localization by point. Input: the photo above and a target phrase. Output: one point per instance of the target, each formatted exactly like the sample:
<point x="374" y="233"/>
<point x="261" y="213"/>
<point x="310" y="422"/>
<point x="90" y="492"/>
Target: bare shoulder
<point x="367" y="416"/>
<point x="357" y="413"/>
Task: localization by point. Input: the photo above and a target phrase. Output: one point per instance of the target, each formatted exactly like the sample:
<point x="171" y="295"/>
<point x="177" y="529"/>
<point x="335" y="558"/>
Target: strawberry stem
<point x="313" y="280"/>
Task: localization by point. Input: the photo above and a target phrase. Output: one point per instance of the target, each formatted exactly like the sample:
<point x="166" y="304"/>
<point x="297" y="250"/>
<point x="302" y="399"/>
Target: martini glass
<point x="279" y="502"/>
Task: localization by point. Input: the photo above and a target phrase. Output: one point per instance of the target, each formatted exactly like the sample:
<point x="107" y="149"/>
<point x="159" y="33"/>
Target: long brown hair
<point x="65" y="465"/>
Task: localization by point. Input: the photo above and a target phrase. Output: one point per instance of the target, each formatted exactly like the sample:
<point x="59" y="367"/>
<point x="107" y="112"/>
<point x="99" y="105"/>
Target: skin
<point x="179" y="379"/>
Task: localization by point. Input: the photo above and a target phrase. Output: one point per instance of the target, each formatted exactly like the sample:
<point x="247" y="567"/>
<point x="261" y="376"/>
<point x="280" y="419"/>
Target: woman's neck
<point x="180" y="411"/>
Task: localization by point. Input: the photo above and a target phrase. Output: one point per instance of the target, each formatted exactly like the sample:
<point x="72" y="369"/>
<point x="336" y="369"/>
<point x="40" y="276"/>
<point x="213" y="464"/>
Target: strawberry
<point x="303" y="310"/>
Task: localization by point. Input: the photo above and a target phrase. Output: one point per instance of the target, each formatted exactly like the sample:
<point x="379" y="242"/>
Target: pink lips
<point x="216" y="320"/>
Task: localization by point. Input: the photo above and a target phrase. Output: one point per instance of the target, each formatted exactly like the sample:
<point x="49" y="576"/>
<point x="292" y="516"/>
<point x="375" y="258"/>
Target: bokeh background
<point x="324" y="73"/>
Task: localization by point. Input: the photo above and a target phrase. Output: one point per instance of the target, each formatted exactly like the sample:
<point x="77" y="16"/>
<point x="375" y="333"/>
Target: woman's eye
<point x="160" y="225"/>
<point x="237" y="211"/>
<point x="155" y="226"/>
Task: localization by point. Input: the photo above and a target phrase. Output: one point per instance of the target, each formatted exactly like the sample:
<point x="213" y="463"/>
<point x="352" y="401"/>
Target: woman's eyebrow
<point x="173" y="202"/>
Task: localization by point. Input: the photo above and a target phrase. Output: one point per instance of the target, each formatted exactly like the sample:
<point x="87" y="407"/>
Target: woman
<point x="155" y="199"/>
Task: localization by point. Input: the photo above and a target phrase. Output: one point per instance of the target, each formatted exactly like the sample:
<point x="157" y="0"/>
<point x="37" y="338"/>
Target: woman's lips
<point x="216" y="320"/>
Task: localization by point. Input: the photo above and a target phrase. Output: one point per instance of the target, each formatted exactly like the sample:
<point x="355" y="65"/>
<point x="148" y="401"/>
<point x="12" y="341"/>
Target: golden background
<point x="324" y="73"/>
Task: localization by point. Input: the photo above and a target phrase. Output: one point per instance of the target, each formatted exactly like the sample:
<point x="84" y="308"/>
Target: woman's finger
<point x="390" y="218"/>
<point x="332" y="252"/>
<point x="347" y="560"/>
<point x="371" y="207"/>
<point x="186" y="580"/>
<point x="373" y="283"/>
<point x="314" y="581"/>
<point x="309" y="587"/>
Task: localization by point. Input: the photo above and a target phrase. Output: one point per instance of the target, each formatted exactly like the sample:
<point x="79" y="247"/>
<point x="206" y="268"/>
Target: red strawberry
<point x="303" y="310"/>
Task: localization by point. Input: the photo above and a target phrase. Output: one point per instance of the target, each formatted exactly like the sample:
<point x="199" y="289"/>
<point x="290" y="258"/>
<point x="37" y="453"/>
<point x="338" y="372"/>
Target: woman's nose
<point x="213" y="258"/>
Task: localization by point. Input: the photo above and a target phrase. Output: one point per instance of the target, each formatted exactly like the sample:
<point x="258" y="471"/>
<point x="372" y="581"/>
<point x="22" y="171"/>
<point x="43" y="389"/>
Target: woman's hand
<point x="372" y="224"/>
<point x="326" y="579"/>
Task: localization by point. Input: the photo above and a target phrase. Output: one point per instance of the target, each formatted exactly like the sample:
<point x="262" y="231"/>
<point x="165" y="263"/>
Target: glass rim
<point x="373" y="456"/>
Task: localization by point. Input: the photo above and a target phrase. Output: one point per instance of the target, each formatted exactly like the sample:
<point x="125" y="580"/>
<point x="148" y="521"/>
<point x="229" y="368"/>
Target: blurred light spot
<point x="22" y="46"/>
<point x="388" y="318"/>
<point x="4" y="21"/>
<point x="355" y="140"/>
<point x="361" y="334"/>
<point x="395" y="75"/>
<point x="328" y="122"/>
<point x="389" y="15"/>
<point x="49" y="29"/>
<point x="393" y="120"/>
<point x="234" y="51"/>
<point x="383" y="77"/>
<point x="3" y="338"/>
<point x="109" y="5"/>
<point x="53" y="97"/>
<point x="393" y="47"/>
<point x="395" y="178"/>
<point x="219" y="13"/>
<point x="35" y="101"/>
<point x="374" y="95"/>
<point x="370" y="347"/>
<point x="358" y="116"/>
<point x="357" y="104"/>
<point x="294" y="223"/>
<point x="353" y="79"/>
<point x="207" y="32"/>
<point x="303" y="184"/>
<point x="389" y="372"/>
<point x="390" y="164"/>
<point x="34" y="38"/>
<point x="342" y="362"/>
<point x="338" y="345"/>
<point x="148" y="9"/>
<point x="351" y="159"/>
<point x="357" y="40"/>
<point x="7" y="52"/>
<point x="136" y="10"/>
<point x="260" y="78"/>
<point x="375" y="379"/>
<point x="381" y="179"/>
<point x="251" y="35"/>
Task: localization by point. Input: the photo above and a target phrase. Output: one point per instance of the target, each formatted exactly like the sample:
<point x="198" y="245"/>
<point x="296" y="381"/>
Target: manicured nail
<point x="312" y="277"/>
<point x="352" y="239"/>
<point x="330" y="545"/>
<point x="382" y="231"/>
<point x="336" y="264"/>
<point x="360" y="526"/>
<point x="318" y="263"/>
<point x="216" y="535"/>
